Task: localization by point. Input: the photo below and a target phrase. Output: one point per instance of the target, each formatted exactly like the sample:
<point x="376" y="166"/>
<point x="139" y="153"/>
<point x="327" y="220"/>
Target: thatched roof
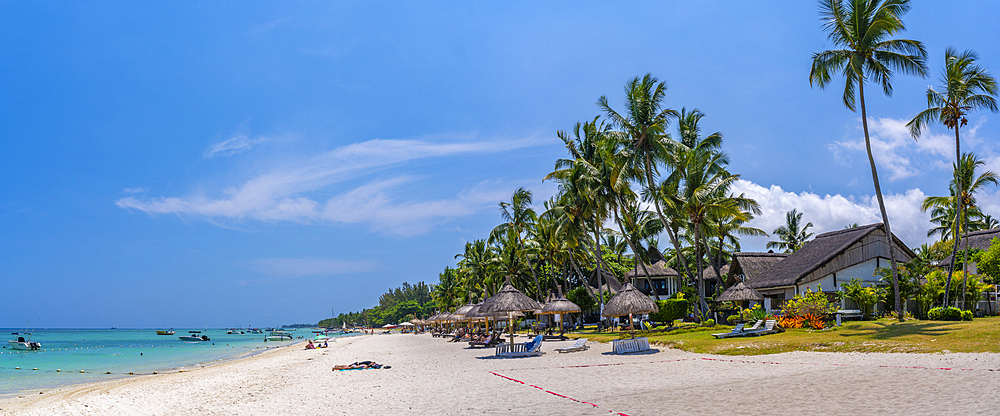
<point x="609" y="283"/>
<point x="509" y="299"/>
<point x="815" y="254"/>
<point x="738" y="293"/>
<point x="752" y="265"/>
<point x="978" y="239"/>
<point x="657" y="269"/>
<point x="459" y="313"/>
<point x="559" y="305"/>
<point x="629" y="301"/>
<point x="709" y="272"/>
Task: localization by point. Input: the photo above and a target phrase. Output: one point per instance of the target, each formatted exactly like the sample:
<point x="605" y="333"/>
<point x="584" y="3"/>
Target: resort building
<point x="822" y="264"/>
<point x="667" y="281"/>
<point x="977" y="240"/>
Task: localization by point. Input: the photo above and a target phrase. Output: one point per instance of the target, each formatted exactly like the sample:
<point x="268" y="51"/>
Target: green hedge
<point x="949" y="314"/>
<point x="670" y="310"/>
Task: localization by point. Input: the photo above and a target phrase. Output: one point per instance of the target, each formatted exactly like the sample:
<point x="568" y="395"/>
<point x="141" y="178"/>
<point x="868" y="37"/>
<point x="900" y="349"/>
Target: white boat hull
<point x="24" y="346"/>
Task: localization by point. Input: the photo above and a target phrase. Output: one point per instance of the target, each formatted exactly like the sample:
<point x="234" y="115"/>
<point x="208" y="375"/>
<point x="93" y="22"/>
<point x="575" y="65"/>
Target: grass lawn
<point x="980" y="335"/>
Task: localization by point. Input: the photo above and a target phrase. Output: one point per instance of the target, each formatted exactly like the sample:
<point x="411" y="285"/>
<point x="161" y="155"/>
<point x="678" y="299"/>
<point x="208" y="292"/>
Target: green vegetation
<point x="883" y="335"/>
<point x="397" y="305"/>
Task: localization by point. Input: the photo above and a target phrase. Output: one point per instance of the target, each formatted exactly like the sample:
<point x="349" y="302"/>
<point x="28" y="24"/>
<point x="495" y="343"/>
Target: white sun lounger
<point x="579" y="345"/>
<point x="625" y="346"/>
<point x="527" y="349"/>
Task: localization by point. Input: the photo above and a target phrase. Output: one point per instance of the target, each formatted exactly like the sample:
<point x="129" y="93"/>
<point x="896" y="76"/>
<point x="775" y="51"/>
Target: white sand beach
<point x="431" y="376"/>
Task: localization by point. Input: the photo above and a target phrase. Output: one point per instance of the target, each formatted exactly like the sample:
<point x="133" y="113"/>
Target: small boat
<point x="194" y="336"/>
<point x="19" y="343"/>
<point x="279" y="336"/>
<point x="164" y="332"/>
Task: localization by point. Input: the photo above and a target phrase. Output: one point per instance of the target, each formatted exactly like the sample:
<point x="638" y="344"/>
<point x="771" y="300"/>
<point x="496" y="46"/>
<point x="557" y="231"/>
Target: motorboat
<point x="235" y="331"/>
<point x="164" y="332"/>
<point x="20" y="343"/>
<point x="194" y="336"/>
<point x="279" y="336"/>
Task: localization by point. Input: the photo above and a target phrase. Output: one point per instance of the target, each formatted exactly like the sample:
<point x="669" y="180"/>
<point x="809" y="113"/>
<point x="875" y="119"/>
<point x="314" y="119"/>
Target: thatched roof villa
<point x="822" y="264"/>
<point x="977" y="239"/>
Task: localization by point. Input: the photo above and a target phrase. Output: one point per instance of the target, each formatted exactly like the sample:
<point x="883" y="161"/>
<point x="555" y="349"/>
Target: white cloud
<point x="289" y="192"/>
<point x="834" y="212"/>
<point x="897" y="152"/>
<point x="293" y="268"/>
<point x="133" y="191"/>
<point x="237" y="144"/>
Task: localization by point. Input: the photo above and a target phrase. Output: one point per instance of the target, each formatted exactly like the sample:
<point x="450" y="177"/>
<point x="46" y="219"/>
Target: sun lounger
<point x="755" y="326"/>
<point x="625" y="346"/>
<point x="579" y="345"/>
<point x="526" y="349"/>
<point x="490" y="341"/>
<point x="770" y="327"/>
<point x="736" y="332"/>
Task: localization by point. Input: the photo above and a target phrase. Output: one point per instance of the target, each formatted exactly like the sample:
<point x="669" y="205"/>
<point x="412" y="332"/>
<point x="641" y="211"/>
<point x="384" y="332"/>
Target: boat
<point x="194" y="336"/>
<point x="19" y="343"/>
<point x="279" y="336"/>
<point x="164" y="332"/>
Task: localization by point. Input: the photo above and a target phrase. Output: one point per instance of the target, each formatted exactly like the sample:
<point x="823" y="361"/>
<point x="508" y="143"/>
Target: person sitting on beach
<point x="325" y="345"/>
<point x="310" y="346"/>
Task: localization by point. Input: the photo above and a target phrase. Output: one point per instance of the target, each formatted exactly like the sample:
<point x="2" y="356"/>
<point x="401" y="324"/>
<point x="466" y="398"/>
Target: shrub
<point x="731" y="319"/>
<point x="670" y="310"/>
<point x="966" y="315"/>
<point x="809" y="303"/>
<point x="815" y="321"/>
<point x="756" y="313"/>
<point x="946" y="314"/>
<point x="865" y="296"/>
<point x="711" y="322"/>
<point x="788" y="321"/>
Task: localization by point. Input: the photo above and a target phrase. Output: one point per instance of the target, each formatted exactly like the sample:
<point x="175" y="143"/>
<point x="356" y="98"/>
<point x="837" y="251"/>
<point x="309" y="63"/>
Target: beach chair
<point x="770" y="327"/>
<point x="625" y="346"/>
<point x="484" y="343"/>
<point x="736" y="332"/>
<point x="527" y="349"/>
<point x="755" y="326"/>
<point x="579" y="345"/>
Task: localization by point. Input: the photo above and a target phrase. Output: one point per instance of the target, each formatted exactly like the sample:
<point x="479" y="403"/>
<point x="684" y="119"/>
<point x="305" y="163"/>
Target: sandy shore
<point x="431" y="376"/>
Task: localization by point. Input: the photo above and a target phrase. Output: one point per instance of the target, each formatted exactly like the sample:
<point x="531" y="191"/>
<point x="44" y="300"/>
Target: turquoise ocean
<point x="97" y="352"/>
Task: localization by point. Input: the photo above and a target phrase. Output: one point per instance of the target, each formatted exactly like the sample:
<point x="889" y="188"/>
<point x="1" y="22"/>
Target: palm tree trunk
<point x="538" y="288"/>
<point x="881" y="204"/>
<point x="600" y="274"/>
<point x="958" y="215"/>
<point x="659" y="212"/>
<point x="638" y="259"/>
<point x="965" y="260"/>
<point x="702" y="305"/>
<point x="715" y="264"/>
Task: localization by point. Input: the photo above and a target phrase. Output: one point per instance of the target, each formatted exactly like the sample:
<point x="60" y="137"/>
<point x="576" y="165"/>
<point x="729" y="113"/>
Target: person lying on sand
<point x="360" y="366"/>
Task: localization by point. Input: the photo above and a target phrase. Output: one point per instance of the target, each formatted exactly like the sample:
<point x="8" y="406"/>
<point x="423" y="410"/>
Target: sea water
<point x="65" y="352"/>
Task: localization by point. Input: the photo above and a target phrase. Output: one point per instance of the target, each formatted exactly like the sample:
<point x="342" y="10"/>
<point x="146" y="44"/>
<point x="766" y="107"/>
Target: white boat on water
<point x="20" y="343"/>
<point x="279" y="336"/>
<point x="194" y="336"/>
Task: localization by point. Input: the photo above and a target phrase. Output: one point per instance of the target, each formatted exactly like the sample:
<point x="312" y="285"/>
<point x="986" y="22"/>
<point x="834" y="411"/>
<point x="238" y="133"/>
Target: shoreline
<point x="115" y="377"/>
<point x="431" y="376"/>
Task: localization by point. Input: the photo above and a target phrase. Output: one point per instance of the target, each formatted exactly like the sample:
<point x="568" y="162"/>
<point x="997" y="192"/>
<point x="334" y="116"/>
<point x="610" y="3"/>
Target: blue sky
<point x="216" y="163"/>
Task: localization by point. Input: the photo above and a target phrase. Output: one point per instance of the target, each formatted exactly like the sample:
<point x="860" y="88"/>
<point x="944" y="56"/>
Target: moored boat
<point x="164" y="332"/>
<point x="20" y="343"/>
<point x="194" y="336"/>
<point x="279" y="336"/>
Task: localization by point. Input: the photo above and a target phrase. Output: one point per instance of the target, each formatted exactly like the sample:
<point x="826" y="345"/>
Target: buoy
<point x="35" y="369"/>
<point x="58" y="370"/>
<point x="108" y="372"/>
<point x="81" y="371"/>
<point x="17" y="368"/>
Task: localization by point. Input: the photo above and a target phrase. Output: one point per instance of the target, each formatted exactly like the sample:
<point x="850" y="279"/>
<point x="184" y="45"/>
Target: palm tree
<point x="644" y="127"/>
<point x="966" y="87"/>
<point x="518" y="217"/>
<point x="989" y="223"/>
<point x="635" y="225"/>
<point x="865" y="29"/>
<point x="725" y="228"/>
<point x="791" y="236"/>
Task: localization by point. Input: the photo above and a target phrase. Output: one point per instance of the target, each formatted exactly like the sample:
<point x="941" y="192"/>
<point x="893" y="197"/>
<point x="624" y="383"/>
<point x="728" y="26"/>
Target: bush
<point x="731" y="319"/>
<point x="711" y="322"/>
<point x="809" y="303"/>
<point x="966" y="315"/>
<point x="670" y="310"/>
<point x="946" y="314"/>
<point x="756" y="313"/>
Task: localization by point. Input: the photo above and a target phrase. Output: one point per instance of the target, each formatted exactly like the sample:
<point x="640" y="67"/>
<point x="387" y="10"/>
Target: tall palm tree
<point x="635" y="225"/>
<point x="518" y="217"/>
<point x="966" y="87"/>
<point x="726" y="228"/>
<point x="644" y="127"/>
<point x="864" y="28"/>
<point x="969" y="183"/>
<point x="793" y="235"/>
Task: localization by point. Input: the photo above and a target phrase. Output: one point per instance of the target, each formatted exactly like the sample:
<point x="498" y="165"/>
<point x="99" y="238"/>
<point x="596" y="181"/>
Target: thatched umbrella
<point x="560" y="306"/>
<point x="740" y="292"/>
<point x="509" y="300"/>
<point x="629" y="301"/>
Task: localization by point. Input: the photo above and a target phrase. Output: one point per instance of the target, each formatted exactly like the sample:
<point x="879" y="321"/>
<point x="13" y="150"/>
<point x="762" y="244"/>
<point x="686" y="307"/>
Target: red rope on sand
<point x="552" y="392"/>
